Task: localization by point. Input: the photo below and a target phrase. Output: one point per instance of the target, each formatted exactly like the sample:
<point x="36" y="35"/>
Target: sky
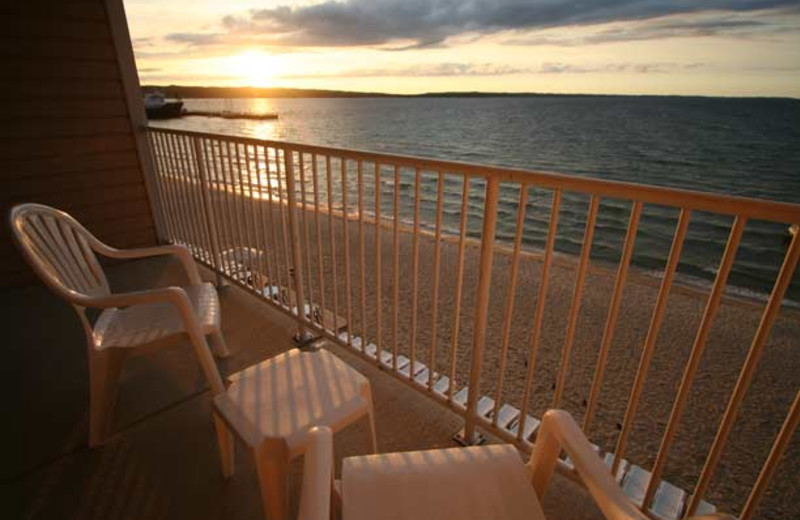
<point x="684" y="47"/>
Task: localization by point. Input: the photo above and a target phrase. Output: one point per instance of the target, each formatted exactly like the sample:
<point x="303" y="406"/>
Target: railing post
<point x="481" y="305"/>
<point x="294" y="234"/>
<point x="208" y="219"/>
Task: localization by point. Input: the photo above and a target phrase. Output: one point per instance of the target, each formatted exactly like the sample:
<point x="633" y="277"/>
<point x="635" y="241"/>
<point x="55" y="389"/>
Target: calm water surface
<point x="735" y="146"/>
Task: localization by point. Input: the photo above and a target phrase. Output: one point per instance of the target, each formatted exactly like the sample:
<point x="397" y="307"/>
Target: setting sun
<point x="253" y="68"/>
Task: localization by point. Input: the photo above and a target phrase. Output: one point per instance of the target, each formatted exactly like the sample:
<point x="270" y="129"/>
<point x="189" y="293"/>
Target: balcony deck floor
<point x="161" y="461"/>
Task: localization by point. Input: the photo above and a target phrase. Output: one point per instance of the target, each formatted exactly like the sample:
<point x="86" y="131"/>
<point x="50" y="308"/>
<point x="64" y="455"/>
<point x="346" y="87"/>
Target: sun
<point x="253" y="68"/>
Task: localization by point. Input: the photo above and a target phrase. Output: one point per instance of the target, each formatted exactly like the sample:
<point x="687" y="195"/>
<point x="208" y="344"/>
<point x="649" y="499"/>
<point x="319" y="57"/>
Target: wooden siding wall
<point x="66" y="138"/>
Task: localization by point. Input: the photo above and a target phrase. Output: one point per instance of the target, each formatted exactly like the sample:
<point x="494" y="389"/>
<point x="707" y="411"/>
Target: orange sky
<point x="408" y="46"/>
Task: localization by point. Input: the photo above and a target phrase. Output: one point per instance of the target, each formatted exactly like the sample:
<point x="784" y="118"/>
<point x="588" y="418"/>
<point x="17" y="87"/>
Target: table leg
<point x="272" y="462"/>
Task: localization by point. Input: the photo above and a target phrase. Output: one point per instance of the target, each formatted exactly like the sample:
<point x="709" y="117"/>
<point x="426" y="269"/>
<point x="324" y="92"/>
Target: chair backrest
<point x="59" y="249"/>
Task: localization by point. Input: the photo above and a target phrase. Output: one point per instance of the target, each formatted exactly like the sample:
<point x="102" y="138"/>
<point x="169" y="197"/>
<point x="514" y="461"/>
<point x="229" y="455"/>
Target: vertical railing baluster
<point x="262" y="222"/>
<point x="246" y="216"/>
<point x="378" y="298"/>
<point x="309" y="277"/>
<point x="257" y="267"/>
<point x="346" y="239"/>
<point x="536" y="331"/>
<point x="226" y="218"/>
<point x="297" y="256"/>
<point x="237" y="224"/>
<point x="748" y="369"/>
<point x="284" y="233"/>
<point x="332" y="244"/>
<point x="221" y="194"/>
<point x="652" y="335"/>
<point x="437" y="257"/>
<point x="396" y="267"/>
<point x="611" y="321"/>
<point x="362" y="255"/>
<point x="273" y="229"/>
<point x="212" y="200"/>
<point x="574" y="312"/>
<point x="482" y="304"/>
<point x="522" y="207"/>
<point x="206" y="209"/>
<point x="698" y="348"/>
<point x="462" y="237"/>
<point x="239" y="206"/>
<point x="320" y="264"/>
<point x="414" y="274"/>
<point x="237" y="192"/>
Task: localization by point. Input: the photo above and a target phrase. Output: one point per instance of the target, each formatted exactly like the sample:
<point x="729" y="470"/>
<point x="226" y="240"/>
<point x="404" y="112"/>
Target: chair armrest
<point x="559" y="431"/>
<point x="315" y="497"/>
<point x="183" y="254"/>
<point x="174" y="295"/>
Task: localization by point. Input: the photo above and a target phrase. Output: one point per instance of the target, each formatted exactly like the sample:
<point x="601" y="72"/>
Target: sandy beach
<point x="761" y="415"/>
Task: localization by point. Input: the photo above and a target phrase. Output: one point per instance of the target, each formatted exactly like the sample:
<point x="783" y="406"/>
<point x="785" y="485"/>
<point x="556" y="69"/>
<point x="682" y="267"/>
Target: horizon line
<point x="332" y="93"/>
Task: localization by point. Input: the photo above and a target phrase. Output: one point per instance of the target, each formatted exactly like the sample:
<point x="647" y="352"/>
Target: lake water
<point x="745" y="147"/>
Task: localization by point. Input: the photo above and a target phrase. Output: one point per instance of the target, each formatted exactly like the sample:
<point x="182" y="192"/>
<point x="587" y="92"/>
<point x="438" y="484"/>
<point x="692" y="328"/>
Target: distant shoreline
<point x="210" y="92"/>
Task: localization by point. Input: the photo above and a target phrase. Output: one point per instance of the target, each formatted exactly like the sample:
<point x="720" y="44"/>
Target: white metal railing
<point x="278" y="219"/>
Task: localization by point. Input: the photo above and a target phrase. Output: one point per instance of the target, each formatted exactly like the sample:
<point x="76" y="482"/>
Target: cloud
<point x="488" y="69"/>
<point x="419" y="23"/>
<point x="195" y="39"/>
<point x="701" y="25"/>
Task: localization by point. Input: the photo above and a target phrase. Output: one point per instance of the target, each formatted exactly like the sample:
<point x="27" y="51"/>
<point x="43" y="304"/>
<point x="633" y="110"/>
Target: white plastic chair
<point x="62" y="253"/>
<point x="317" y="491"/>
<point x="482" y="482"/>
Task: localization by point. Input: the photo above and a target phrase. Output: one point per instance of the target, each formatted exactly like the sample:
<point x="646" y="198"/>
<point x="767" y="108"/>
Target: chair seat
<point x="284" y="396"/>
<point x="484" y="482"/>
<point x="148" y="322"/>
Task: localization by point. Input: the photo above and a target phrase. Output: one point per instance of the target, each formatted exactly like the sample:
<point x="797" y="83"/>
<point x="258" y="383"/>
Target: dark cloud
<point x="198" y="39"/>
<point x="421" y="23"/>
<point x="664" y="28"/>
<point x="487" y="69"/>
<point x="441" y="70"/>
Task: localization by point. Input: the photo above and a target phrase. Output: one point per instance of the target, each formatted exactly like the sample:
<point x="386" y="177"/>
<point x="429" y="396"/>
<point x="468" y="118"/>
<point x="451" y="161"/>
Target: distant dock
<point x="227" y="114"/>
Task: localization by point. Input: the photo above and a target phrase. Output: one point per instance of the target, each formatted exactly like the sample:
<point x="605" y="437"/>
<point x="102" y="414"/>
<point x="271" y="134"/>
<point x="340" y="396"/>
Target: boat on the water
<point x="157" y="106"/>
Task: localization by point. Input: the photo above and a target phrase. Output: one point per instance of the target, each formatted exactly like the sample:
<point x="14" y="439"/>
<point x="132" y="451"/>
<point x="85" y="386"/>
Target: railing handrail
<point x="749" y="207"/>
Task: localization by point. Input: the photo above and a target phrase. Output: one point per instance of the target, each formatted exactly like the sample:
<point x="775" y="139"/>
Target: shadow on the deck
<point x="161" y="461"/>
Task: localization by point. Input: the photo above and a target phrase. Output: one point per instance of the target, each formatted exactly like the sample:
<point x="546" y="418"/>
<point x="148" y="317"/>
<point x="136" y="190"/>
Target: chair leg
<point x="226" y="447"/>
<point x="371" y="418"/>
<point x="272" y="467"/>
<point x="218" y="345"/>
<point x="105" y="368"/>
